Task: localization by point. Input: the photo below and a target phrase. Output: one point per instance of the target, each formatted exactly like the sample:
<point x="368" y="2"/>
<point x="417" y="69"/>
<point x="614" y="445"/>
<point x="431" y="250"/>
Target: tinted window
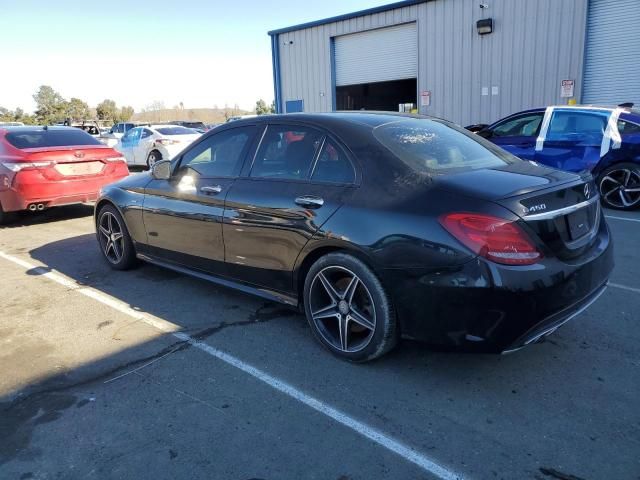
<point x="524" y="126"/>
<point x="176" y="131"/>
<point x="146" y="133"/>
<point x="333" y="165"/>
<point x="577" y="126"/>
<point x="286" y="152"/>
<point x="50" y="138"/>
<point x="219" y="155"/>
<point x="628" y="127"/>
<point x="434" y="146"/>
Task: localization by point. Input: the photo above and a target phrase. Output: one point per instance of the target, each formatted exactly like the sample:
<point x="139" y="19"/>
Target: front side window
<point x="434" y="146"/>
<point x="333" y="166"/>
<point x="523" y="126"/>
<point x="286" y="152"/>
<point x="220" y="155"/>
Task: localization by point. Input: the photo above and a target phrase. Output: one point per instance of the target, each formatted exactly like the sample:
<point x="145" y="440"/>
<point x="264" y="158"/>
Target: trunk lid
<point x="562" y="209"/>
<point x="73" y="161"/>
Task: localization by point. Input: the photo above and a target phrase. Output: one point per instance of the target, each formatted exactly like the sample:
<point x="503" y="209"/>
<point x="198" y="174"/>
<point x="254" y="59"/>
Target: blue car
<point x="604" y="141"/>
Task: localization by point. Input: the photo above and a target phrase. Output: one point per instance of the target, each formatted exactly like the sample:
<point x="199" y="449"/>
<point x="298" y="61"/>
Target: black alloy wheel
<point x="348" y="308"/>
<point x="620" y="186"/>
<point x="113" y="237"/>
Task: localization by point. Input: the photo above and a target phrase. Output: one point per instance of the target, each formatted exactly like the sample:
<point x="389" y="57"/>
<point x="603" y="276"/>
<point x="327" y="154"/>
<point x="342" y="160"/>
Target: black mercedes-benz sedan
<point x="377" y="225"/>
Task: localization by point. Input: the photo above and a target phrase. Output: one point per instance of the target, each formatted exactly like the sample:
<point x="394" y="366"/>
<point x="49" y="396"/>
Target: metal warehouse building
<point x="470" y="61"/>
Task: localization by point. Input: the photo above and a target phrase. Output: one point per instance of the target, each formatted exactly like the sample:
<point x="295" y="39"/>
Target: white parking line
<point x="613" y="217"/>
<point x="624" y="287"/>
<point x="363" y="429"/>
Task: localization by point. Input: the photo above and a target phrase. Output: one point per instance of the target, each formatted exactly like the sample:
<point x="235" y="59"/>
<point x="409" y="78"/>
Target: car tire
<point x="114" y="239"/>
<point x="348" y="309"/>
<point x="616" y="183"/>
<point x="153" y="157"/>
<point x="5" y="217"/>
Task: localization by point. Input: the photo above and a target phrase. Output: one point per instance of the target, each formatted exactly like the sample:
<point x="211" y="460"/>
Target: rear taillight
<point x="115" y="159"/>
<point x="496" y="239"/>
<point x="19" y="166"/>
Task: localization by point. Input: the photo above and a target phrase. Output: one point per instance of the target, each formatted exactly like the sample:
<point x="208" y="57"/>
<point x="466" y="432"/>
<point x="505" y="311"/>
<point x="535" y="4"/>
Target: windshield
<point x="176" y="131"/>
<point x="433" y="146"/>
<point x="50" y="138"/>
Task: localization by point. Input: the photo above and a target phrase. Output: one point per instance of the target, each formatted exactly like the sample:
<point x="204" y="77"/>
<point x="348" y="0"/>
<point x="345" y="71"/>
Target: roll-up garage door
<point x="612" y="56"/>
<point x="377" y="55"/>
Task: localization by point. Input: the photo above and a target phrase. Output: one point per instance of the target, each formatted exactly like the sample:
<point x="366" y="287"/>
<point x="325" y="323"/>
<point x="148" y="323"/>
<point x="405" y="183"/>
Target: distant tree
<point x="76" y="109"/>
<point x="261" y="107"/>
<point x="50" y="105"/>
<point x="126" y="113"/>
<point x="107" y="110"/>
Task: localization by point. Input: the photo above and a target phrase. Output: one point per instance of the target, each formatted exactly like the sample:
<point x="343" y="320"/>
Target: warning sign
<point x="567" y="88"/>
<point x="425" y="98"/>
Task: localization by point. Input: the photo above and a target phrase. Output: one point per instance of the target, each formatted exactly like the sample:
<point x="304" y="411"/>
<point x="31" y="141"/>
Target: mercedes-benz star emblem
<point x="587" y="191"/>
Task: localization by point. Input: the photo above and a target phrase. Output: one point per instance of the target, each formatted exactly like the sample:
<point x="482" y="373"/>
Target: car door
<point x="183" y="215"/>
<point x="517" y="134"/>
<point x="128" y="144"/>
<point x="143" y="148"/>
<point x="299" y="177"/>
<point x="573" y="139"/>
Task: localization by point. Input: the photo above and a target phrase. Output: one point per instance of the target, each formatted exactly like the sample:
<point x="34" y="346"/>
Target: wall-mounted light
<point x="484" y="26"/>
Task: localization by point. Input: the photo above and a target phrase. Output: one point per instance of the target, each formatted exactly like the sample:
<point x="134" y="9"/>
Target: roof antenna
<point x="626" y="105"/>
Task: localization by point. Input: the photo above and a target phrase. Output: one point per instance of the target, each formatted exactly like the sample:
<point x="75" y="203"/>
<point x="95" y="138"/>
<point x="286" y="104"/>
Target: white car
<point x="144" y="146"/>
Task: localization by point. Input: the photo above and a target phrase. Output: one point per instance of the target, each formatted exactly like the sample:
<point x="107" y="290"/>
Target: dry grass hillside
<point x="206" y="115"/>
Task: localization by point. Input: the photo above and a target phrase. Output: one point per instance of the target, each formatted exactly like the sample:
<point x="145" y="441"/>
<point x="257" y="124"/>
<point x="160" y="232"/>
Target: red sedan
<point x="42" y="167"/>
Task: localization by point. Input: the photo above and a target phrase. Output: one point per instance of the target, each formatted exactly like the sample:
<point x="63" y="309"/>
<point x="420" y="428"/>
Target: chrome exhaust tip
<point x="40" y="207"/>
<point x="33" y="207"/>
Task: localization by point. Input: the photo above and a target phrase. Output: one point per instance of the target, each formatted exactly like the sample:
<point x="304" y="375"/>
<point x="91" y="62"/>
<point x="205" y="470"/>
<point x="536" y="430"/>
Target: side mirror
<point x="161" y="170"/>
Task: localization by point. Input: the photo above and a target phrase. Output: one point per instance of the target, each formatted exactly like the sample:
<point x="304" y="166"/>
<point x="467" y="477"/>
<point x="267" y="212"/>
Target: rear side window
<point x="286" y="152"/>
<point x="577" y="126"/>
<point x="333" y="166"/>
<point x="430" y="146"/>
<point x="626" y="128"/>
<point x="50" y="138"/>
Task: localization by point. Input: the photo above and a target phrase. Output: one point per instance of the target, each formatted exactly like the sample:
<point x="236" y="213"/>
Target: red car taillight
<point x="115" y="159"/>
<point x="19" y="166"/>
<point x="496" y="239"/>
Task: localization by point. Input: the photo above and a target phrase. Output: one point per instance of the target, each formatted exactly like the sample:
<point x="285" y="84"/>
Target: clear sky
<point x="202" y="53"/>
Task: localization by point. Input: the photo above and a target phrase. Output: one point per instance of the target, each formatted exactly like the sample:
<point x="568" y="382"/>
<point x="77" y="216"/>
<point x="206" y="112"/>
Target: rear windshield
<point x="432" y="146"/>
<point x="176" y="131"/>
<point x="50" y="138"/>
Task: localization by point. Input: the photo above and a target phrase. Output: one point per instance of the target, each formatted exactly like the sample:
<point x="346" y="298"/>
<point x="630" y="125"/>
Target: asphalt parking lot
<point x="152" y="374"/>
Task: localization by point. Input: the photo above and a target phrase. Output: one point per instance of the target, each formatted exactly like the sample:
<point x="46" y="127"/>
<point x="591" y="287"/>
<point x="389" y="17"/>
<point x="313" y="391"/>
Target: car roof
<point x="371" y="119"/>
<point x="163" y="125"/>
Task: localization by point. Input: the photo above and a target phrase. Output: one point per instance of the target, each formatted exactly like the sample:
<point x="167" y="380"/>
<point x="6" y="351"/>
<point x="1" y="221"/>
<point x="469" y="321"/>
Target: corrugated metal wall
<point x="535" y="45"/>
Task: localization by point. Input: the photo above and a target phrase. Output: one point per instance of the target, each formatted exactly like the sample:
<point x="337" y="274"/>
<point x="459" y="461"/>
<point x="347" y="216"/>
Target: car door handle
<point x="211" y="190"/>
<point x="309" y="201"/>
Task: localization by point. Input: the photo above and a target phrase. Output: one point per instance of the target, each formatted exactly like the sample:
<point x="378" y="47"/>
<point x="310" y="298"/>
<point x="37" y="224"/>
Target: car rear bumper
<point x="33" y="187"/>
<point x="486" y="307"/>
